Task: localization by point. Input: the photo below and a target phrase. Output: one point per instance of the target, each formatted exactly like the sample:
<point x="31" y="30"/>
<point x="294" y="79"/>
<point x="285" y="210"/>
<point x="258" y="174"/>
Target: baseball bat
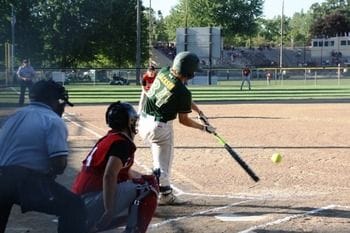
<point x="233" y="153"/>
<point x="238" y="159"/>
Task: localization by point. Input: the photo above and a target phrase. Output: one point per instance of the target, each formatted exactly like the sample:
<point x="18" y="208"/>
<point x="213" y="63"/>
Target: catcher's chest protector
<point x="142" y="209"/>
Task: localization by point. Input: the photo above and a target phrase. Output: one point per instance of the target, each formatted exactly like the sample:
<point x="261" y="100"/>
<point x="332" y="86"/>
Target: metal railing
<point x="206" y="77"/>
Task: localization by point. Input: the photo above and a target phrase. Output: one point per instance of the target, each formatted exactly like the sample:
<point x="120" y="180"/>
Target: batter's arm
<point x="195" y="108"/>
<point x="186" y="121"/>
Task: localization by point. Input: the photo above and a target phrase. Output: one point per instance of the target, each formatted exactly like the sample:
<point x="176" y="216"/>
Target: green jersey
<point x="167" y="97"/>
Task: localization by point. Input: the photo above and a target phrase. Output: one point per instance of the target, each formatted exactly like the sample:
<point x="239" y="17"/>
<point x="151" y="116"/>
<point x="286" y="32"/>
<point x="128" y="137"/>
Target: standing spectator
<point x="33" y="151"/>
<point x="147" y="80"/>
<point x="245" y="77"/>
<point x="167" y="99"/>
<point x="108" y="185"/>
<point x="25" y="75"/>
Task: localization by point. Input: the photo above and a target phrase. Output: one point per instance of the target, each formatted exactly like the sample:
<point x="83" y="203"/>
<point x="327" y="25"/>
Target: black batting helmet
<point x="186" y="63"/>
<point x="121" y="115"/>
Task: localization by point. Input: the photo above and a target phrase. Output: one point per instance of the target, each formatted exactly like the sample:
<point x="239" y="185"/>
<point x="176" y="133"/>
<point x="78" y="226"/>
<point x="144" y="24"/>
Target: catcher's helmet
<point x="121" y="115"/>
<point x="186" y="63"/>
<point x="46" y="91"/>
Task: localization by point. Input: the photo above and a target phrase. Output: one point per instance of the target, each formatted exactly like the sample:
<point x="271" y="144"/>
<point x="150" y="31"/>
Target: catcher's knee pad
<point x="142" y="209"/>
<point x="147" y="208"/>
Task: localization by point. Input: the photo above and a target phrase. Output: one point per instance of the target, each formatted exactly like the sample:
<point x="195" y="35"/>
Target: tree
<point x="56" y="33"/>
<point x="336" y="23"/>
<point x="330" y="18"/>
<point x="28" y="43"/>
<point x="299" y="27"/>
<point x="236" y="17"/>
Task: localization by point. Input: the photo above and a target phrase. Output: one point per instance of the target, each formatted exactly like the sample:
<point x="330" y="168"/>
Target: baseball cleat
<point x="170" y="199"/>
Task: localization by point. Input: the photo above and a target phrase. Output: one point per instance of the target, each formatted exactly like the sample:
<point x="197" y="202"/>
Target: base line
<point x="155" y="225"/>
<point x="286" y="219"/>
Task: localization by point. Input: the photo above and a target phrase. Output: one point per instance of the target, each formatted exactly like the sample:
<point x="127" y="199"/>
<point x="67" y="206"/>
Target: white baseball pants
<point x="160" y="137"/>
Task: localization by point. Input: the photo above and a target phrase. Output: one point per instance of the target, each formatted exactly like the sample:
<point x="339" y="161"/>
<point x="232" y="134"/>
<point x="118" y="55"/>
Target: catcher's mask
<point x="48" y="90"/>
<point x="120" y="116"/>
<point x="185" y="64"/>
<point x="50" y="93"/>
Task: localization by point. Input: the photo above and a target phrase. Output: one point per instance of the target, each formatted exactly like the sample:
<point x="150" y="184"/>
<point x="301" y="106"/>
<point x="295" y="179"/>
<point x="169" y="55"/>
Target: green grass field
<point x="278" y="90"/>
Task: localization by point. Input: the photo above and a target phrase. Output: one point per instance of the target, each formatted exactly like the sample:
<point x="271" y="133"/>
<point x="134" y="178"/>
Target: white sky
<point x="271" y="7"/>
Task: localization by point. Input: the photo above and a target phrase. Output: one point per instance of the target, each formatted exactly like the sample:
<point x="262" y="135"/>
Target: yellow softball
<point x="276" y="158"/>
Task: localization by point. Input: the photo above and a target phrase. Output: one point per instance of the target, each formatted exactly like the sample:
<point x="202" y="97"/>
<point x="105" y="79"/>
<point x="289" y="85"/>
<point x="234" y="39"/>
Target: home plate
<point x="237" y="218"/>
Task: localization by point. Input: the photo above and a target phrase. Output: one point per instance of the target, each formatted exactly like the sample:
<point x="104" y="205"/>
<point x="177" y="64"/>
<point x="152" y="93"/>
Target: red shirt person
<point x="106" y="182"/>
<point x="148" y="78"/>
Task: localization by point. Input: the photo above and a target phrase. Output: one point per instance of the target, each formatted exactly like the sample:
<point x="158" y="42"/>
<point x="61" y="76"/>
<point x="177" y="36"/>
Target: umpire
<point x="33" y="151"/>
<point x="25" y="75"/>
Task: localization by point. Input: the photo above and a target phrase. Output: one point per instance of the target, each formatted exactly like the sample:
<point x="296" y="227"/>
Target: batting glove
<point x="203" y="118"/>
<point x="209" y="129"/>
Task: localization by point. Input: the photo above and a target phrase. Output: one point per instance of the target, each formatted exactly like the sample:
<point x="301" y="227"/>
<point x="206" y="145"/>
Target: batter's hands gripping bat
<point x="238" y="159"/>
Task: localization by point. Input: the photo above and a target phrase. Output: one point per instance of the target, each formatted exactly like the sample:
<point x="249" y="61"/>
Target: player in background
<point x="25" y="75"/>
<point x="148" y="78"/>
<point x="146" y="82"/>
<point x="168" y="99"/>
<point x="110" y="188"/>
<point x="268" y="77"/>
<point x="246" y="77"/>
<point x="33" y="151"/>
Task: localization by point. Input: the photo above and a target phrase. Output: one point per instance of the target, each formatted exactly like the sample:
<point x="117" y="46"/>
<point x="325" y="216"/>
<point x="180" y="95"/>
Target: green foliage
<point x="236" y="17"/>
<point x="330" y="18"/>
<point x="336" y="23"/>
<point x="60" y="34"/>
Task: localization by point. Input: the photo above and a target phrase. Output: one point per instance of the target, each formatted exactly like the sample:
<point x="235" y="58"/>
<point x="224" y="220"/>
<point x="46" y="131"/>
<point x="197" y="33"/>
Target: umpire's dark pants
<point x="34" y="191"/>
<point x="24" y="85"/>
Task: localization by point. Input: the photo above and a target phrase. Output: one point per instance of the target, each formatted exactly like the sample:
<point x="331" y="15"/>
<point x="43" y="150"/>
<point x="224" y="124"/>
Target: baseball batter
<point x="167" y="99"/>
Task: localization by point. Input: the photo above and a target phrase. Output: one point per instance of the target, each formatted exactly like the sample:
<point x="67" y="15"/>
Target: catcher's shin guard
<point x="142" y="209"/>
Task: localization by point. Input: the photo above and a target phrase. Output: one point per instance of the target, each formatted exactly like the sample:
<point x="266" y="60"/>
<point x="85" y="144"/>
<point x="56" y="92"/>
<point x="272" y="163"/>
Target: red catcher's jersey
<point x="90" y="178"/>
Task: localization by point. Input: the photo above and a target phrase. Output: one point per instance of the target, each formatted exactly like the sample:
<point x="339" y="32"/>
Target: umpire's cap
<point x="47" y="90"/>
<point x="186" y="63"/>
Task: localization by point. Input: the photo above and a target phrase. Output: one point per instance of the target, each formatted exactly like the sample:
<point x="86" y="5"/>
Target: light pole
<point x="13" y="22"/>
<point x="138" y="41"/>
<point x="150" y="32"/>
<point x="281" y="47"/>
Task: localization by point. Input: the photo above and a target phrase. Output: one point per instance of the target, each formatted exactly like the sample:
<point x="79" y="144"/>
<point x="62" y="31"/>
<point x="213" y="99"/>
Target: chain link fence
<point x="268" y="76"/>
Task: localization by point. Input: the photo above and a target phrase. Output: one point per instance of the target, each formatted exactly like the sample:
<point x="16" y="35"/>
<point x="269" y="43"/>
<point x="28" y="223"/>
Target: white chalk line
<point x="286" y="219"/>
<point x="70" y="114"/>
<point x="198" y="213"/>
<point x="83" y="127"/>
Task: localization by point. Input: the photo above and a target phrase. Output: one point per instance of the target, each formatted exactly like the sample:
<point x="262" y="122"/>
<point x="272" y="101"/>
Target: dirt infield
<point x="307" y="192"/>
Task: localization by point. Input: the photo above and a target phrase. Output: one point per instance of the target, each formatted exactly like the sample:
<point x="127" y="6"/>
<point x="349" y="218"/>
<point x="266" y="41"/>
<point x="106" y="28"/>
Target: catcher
<point x="110" y="189"/>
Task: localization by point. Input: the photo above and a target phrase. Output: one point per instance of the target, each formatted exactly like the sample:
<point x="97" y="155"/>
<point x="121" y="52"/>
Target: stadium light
<point x="13" y="22"/>
<point x="281" y="47"/>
